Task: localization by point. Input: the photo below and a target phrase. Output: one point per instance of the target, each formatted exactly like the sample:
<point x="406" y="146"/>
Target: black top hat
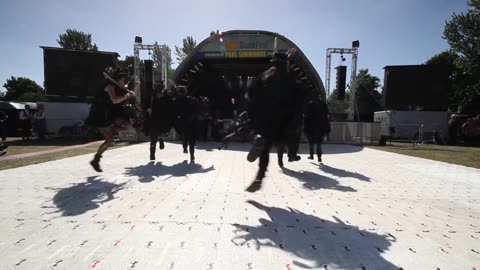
<point x="117" y="73"/>
<point x="120" y="73"/>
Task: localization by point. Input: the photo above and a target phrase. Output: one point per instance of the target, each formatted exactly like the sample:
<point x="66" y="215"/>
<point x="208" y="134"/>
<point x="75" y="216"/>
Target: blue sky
<point x="391" y="32"/>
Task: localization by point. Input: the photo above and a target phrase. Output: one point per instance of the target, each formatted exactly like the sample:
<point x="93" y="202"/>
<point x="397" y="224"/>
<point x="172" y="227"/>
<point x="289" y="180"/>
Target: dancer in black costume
<point x="274" y="108"/>
<point x="174" y="108"/>
<point x="187" y="122"/>
<point x="110" y="110"/>
<point x="316" y="125"/>
<point x="162" y="116"/>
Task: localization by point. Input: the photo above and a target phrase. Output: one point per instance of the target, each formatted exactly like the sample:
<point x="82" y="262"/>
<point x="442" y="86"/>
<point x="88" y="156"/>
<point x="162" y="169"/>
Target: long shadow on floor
<point x="199" y="144"/>
<point x="316" y="242"/>
<point x="313" y="181"/>
<point x="343" y="173"/>
<point x="233" y="146"/>
<point x="328" y="149"/>
<point x="149" y="172"/>
<point x="83" y="197"/>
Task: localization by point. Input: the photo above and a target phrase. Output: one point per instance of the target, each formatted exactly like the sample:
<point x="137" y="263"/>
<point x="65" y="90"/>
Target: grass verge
<point x="466" y="156"/>
<point x="20" y="162"/>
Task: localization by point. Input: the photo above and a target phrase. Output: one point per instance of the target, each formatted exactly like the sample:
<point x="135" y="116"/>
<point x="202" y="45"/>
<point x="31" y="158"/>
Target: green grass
<point x="17" y="146"/>
<point x="466" y="156"/>
<point x="21" y="147"/>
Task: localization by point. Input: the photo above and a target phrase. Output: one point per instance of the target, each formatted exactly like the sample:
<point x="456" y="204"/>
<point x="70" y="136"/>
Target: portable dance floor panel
<point x="364" y="209"/>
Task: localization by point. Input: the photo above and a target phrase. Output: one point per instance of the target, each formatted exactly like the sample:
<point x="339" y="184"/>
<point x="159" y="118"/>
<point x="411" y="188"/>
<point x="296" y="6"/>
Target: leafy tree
<point x="157" y="59"/>
<point x="76" y="40"/>
<point x="338" y="108"/>
<point x="458" y="80"/>
<point x="32" y="97"/>
<point x="445" y="58"/>
<point x="334" y="95"/>
<point x="23" y="89"/>
<point x="128" y="63"/>
<point x="182" y="52"/>
<point x="462" y="33"/>
<point x="367" y="96"/>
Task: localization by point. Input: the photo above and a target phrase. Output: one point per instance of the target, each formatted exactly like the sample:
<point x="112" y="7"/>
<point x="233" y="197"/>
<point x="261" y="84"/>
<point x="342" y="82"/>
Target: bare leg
<point x="108" y="135"/>
<point x="292" y="149"/>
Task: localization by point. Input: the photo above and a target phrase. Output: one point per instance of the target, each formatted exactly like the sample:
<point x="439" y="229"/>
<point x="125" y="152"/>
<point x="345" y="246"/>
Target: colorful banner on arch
<point x="240" y="46"/>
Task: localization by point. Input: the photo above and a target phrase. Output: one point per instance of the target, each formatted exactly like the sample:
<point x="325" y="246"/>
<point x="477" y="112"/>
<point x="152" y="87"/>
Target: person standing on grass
<point x="3" y="120"/>
<point x="39" y="122"/>
<point x="3" y="133"/>
<point x="26" y="119"/>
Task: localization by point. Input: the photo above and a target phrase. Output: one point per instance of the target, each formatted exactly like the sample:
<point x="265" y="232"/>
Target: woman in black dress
<point x="110" y="111"/>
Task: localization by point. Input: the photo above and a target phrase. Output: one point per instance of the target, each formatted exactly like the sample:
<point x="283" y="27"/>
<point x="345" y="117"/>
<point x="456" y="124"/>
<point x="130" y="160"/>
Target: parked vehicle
<point x="464" y="128"/>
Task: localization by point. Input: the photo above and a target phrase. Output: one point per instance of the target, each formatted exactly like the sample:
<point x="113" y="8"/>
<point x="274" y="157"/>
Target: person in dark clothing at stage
<point x="273" y="111"/>
<point x="162" y="116"/>
<point x="176" y="109"/>
<point x="187" y="122"/>
<point x="316" y="125"/>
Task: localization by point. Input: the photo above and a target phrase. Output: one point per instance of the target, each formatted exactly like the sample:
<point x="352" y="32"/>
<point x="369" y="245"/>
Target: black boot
<point x="257" y="183"/>
<point x="258" y="146"/>
<point x="192" y="152"/>
<point x="294" y="158"/>
<point x="280" y="163"/>
<point x="260" y="175"/>
<point x="310" y="146"/>
<point x="152" y="151"/>
<point x="319" y="152"/>
<point x="280" y="151"/>
<point x="162" y="144"/>
<point x="96" y="163"/>
<point x="185" y="145"/>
